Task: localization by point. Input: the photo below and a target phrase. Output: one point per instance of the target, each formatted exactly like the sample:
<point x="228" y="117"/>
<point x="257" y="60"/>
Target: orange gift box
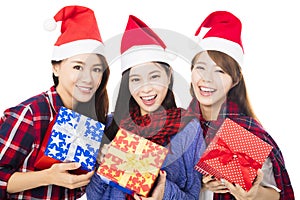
<point x="133" y="162"/>
<point x="235" y="154"/>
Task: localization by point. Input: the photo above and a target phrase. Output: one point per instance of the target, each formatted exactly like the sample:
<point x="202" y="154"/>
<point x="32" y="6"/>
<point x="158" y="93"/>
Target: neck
<point x="211" y="112"/>
<point x="68" y="101"/>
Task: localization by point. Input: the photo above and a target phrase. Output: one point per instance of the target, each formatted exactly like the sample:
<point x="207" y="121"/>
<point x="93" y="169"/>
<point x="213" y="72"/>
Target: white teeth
<point x="205" y="89"/>
<point x="85" y="88"/>
<point x="148" y="98"/>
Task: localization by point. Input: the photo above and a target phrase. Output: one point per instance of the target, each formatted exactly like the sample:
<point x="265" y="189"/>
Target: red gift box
<point x="133" y="162"/>
<point x="235" y="154"/>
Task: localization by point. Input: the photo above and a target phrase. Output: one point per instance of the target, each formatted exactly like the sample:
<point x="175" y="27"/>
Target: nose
<point x="86" y="76"/>
<point x="146" y="87"/>
<point x="206" y="76"/>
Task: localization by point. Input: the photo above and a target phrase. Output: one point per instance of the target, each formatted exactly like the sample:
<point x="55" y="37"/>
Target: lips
<point x="206" y="91"/>
<point x="148" y="100"/>
<point x="84" y="89"/>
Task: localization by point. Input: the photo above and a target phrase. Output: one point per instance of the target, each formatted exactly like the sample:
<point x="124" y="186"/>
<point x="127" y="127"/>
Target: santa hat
<point x="224" y="34"/>
<point x="79" y="32"/>
<point x="141" y="44"/>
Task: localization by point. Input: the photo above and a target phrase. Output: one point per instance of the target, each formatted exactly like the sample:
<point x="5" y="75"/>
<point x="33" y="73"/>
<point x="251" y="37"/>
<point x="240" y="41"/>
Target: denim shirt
<point x="183" y="181"/>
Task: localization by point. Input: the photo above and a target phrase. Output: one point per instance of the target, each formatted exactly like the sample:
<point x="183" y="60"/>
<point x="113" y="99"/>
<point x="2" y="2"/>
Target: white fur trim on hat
<point x="77" y="47"/>
<point x="144" y="53"/>
<point x="226" y="46"/>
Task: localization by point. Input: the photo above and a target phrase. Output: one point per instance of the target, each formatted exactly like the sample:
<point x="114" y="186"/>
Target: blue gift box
<point x="75" y="138"/>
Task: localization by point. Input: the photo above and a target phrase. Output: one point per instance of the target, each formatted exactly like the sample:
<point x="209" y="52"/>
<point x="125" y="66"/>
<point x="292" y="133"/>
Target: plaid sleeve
<point x="16" y="139"/>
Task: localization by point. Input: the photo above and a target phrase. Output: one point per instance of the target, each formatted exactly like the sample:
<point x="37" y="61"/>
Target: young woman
<point x="146" y="106"/>
<point x="80" y="76"/>
<point x="219" y="92"/>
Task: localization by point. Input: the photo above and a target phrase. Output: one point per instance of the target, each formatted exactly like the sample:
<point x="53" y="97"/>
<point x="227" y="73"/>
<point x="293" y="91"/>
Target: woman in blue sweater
<point x="146" y="106"/>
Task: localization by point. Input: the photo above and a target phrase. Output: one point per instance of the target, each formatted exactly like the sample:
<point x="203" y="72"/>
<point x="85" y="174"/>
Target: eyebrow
<point x="83" y="63"/>
<point x="200" y="62"/>
<point x="152" y="72"/>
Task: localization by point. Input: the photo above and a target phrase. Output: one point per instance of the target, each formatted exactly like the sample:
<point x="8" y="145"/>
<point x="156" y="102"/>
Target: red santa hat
<point x="224" y="34"/>
<point x="141" y="44"/>
<point x="79" y="32"/>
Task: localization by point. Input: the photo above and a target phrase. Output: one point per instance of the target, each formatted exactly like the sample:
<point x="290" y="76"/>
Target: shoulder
<point x="190" y="133"/>
<point x="32" y="105"/>
<point x="192" y="128"/>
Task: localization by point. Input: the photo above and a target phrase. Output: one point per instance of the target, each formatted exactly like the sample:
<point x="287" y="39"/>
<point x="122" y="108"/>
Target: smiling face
<point x="79" y="77"/>
<point x="148" y="85"/>
<point x="210" y="82"/>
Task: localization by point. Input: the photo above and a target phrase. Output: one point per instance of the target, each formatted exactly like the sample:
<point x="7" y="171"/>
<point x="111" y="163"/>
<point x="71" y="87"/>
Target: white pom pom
<point x="50" y="24"/>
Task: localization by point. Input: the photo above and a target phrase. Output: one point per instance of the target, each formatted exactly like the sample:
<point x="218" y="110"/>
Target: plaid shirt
<point x="232" y="111"/>
<point x="22" y="129"/>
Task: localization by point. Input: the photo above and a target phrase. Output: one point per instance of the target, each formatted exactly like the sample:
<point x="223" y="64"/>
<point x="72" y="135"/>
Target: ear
<point x="55" y="69"/>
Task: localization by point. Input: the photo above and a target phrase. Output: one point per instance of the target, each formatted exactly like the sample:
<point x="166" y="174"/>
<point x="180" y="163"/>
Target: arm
<point x="183" y="181"/>
<point x="56" y="175"/>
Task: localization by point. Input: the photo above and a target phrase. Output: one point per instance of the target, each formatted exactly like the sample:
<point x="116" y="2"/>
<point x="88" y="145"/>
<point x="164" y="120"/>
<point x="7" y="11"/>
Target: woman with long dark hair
<point x="146" y="106"/>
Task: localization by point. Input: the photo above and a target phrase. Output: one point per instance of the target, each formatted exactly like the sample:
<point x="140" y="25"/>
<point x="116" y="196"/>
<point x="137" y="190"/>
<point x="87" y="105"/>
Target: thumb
<point x="259" y="177"/>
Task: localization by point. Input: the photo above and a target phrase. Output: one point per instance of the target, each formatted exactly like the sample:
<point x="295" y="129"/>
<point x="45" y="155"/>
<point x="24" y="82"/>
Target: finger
<point x="67" y="166"/>
<point x="137" y="197"/>
<point x="259" y="177"/>
<point x="162" y="174"/>
<point x="206" y="179"/>
<point x="231" y="187"/>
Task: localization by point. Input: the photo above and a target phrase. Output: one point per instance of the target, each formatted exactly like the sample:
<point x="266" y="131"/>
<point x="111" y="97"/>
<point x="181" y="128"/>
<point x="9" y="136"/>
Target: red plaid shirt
<point x="22" y="129"/>
<point x="232" y="111"/>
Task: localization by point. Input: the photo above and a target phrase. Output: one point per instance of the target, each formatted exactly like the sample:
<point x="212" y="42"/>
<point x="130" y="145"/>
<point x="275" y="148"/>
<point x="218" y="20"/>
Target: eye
<point x="219" y="70"/>
<point x="98" y="69"/>
<point x="134" y="80"/>
<point x="199" y="67"/>
<point x="77" y="67"/>
<point x="155" y="76"/>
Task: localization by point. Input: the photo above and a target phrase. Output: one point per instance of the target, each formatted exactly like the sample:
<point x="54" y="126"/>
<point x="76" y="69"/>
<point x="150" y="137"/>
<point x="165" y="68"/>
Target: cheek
<point x="98" y="79"/>
<point x="195" y="77"/>
<point x="163" y="90"/>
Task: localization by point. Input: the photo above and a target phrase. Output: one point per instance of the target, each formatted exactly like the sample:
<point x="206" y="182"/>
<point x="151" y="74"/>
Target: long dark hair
<point x="97" y="107"/>
<point x="125" y="101"/>
<point x="238" y="93"/>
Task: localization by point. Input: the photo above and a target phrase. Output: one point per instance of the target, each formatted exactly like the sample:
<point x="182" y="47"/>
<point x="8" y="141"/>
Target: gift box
<point x="71" y="137"/>
<point x="235" y="154"/>
<point x="132" y="162"/>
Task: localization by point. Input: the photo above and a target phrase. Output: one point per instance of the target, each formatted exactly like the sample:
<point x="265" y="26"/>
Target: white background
<point x="270" y="37"/>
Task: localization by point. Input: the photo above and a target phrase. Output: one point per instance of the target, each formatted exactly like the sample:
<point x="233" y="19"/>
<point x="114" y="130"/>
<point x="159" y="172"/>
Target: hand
<point x="240" y="194"/>
<point x="159" y="190"/>
<point x="58" y="175"/>
<point x="102" y="152"/>
<point x="209" y="182"/>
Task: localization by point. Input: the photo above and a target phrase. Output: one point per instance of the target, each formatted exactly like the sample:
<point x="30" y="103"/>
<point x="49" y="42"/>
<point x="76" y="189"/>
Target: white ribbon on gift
<point x="76" y="137"/>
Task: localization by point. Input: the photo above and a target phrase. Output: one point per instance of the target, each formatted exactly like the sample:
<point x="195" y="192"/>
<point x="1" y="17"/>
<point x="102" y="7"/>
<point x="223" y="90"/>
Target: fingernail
<point x="223" y="181"/>
<point x="213" y="177"/>
<point x="140" y="198"/>
<point x="162" y="171"/>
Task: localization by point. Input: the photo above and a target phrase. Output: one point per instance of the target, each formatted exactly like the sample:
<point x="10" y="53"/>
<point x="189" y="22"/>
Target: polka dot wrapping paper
<point x="235" y="154"/>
